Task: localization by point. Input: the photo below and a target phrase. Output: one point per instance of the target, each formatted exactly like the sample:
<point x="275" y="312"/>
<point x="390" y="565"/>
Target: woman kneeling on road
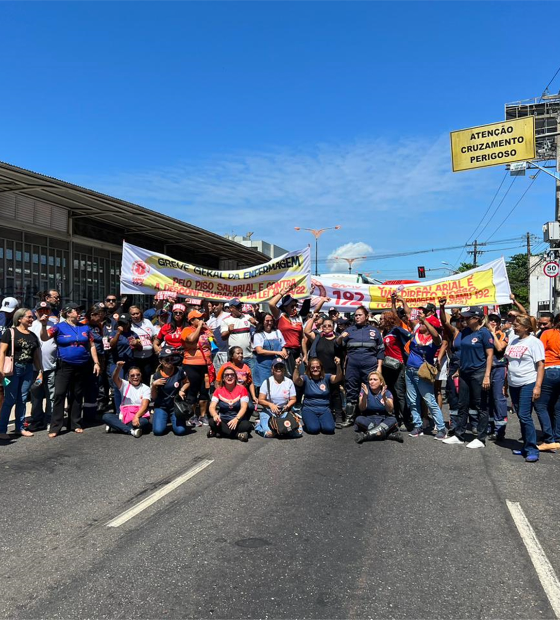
<point x="316" y="412"/>
<point x="376" y="405"/>
<point x="169" y="381"/>
<point x="277" y="397"/>
<point x="134" y="418"/>
<point x="227" y="408"/>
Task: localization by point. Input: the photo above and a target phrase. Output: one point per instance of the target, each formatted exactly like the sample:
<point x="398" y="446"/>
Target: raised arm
<point x="518" y="305"/>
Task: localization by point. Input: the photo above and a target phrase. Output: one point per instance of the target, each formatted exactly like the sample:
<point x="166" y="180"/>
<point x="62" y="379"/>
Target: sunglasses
<point x="229" y="376"/>
<point x="178" y="312"/>
<point x="134" y="376"/>
<point x="111" y="301"/>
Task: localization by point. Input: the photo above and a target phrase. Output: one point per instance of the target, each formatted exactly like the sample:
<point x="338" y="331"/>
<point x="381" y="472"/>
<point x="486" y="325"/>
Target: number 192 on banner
<point x="348" y="298"/>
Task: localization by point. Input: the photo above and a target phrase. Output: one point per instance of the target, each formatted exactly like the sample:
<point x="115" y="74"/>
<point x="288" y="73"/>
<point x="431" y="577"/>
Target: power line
<point x="499" y="205"/>
<point x="513" y="208"/>
<point x="552" y="80"/>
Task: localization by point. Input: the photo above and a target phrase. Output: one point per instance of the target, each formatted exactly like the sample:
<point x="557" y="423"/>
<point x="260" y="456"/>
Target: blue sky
<point x="264" y="116"/>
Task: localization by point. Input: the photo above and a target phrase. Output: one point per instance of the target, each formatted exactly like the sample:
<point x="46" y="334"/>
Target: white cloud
<point x="358" y="185"/>
<point x="350" y="251"/>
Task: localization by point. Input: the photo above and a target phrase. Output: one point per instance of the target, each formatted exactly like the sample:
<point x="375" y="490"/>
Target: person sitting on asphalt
<point x="133" y="418"/>
<point x="169" y="381"/>
<point x="228" y="408"/>
<point x="316" y="412"/>
<point x="377" y="420"/>
<point x="277" y="398"/>
<point x="244" y="376"/>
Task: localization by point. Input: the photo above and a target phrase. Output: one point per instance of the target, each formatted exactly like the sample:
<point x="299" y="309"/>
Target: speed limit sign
<point x="551" y="269"/>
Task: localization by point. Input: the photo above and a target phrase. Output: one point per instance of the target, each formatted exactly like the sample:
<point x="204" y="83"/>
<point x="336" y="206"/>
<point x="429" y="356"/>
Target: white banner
<point x="148" y="273"/>
<point x="487" y="285"/>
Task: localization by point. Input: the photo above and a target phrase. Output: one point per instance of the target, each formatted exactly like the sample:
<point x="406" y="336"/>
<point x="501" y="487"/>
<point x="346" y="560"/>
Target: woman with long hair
<point x="316" y="411"/>
<point x="26" y="360"/>
<point x="525" y="355"/>
<point x="268" y="344"/>
<point x="170" y="333"/>
<point x="377" y="420"/>
<point x="244" y="376"/>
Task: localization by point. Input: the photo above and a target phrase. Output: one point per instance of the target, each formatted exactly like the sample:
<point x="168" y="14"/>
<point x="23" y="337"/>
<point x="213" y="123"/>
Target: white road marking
<point x="154" y="497"/>
<point x="543" y="567"/>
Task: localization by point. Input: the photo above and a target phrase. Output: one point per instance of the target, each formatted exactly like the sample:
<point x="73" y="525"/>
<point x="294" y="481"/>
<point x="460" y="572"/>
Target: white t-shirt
<point x="134" y="395"/>
<point x="241" y="335"/>
<point x="146" y="332"/>
<point x="522" y="356"/>
<point x="216" y="321"/>
<point x="280" y="393"/>
<point x="260" y="337"/>
<point x="49" y="351"/>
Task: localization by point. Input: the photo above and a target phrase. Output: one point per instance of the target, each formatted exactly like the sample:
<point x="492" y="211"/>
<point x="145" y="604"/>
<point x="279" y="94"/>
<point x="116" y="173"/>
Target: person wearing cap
<point x="497" y="401"/>
<point x="7" y="309"/>
<point x="290" y="317"/>
<point x="475" y="371"/>
<point x="237" y="329"/>
<point x="43" y="391"/>
<point x="122" y="343"/>
<point x="26" y="359"/>
<point x="76" y="350"/>
<point x="526" y="356"/>
<point x="197" y="362"/>
<point x="133" y="417"/>
<point x="169" y="381"/>
<point x="170" y="333"/>
<point x="365" y="352"/>
<point x="277" y="396"/>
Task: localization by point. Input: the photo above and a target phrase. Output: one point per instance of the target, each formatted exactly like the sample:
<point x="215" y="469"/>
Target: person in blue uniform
<point x="377" y="420"/>
<point x="365" y="353"/>
<point x="316" y="411"/>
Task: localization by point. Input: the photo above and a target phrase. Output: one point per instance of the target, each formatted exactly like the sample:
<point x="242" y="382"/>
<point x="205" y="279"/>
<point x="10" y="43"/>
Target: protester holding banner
<point x="365" y="353"/>
<point x="197" y="362"/>
<point x="268" y="344"/>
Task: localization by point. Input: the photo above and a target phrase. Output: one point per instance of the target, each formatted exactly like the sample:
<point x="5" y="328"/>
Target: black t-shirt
<point x="326" y="351"/>
<point x="24" y="348"/>
<point x="166" y="393"/>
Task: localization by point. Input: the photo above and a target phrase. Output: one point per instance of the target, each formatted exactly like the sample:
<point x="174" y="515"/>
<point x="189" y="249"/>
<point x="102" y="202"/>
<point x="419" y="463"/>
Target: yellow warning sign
<point x="493" y="145"/>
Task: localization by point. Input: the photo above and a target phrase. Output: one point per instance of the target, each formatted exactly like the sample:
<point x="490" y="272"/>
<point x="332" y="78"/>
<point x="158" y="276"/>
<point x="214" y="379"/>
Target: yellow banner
<point x="493" y="145"/>
<point x="477" y="289"/>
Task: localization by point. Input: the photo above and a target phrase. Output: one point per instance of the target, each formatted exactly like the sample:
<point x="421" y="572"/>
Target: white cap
<point x="9" y="304"/>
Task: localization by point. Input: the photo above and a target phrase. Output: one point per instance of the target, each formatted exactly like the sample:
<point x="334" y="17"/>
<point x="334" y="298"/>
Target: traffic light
<point x="421" y="272"/>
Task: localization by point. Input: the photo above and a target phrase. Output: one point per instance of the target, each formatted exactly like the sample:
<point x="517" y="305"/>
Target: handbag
<point x="428" y="372"/>
<point x="8" y="369"/>
<point x="392" y="363"/>
<point x="182" y="409"/>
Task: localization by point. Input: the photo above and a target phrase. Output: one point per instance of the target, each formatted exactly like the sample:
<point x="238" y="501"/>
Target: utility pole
<point x="529" y="268"/>
<point x="475" y="251"/>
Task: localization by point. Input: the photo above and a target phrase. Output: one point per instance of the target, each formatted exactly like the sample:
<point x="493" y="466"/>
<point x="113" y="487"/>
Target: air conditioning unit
<point x="551" y="232"/>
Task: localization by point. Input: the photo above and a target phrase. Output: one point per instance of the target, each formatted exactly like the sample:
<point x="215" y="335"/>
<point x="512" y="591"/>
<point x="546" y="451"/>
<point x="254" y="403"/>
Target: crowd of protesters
<point x="280" y="373"/>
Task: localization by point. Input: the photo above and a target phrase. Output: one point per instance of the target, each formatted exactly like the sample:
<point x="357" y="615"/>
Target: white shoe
<point x="107" y="428"/>
<point x="454" y="440"/>
<point x="136" y="432"/>
<point x="476" y="443"/>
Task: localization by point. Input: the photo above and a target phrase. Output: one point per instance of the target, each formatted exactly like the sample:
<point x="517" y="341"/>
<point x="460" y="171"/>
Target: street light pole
<point x="350" y="261"/>
<point x="317" y="232"/>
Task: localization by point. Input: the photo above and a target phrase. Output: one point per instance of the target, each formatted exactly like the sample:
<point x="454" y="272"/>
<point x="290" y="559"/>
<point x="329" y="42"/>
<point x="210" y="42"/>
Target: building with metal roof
<point x="55" y="234"/>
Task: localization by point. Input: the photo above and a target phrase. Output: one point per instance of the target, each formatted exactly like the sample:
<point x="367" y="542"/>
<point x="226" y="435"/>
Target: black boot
<point x="373" y="433"/>
<point x="396" y="436"/>
<point x="349" y="414"/>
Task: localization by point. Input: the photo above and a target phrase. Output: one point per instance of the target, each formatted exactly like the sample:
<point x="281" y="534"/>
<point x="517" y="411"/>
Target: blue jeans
<point x="550" y="395"/>
<point x="112" y="420"/>
<point x="522" y="401"/>
<point x="417" y="390"/>
<point x="317" y="420"/>
<point x="15" y="393"/>
<point x="159" y="423"/>
<point x="262" y="427"/>
<point x="45" y="391"/>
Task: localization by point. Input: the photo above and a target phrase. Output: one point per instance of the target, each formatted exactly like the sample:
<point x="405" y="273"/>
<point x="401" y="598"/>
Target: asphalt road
<point x="317" y="527"/>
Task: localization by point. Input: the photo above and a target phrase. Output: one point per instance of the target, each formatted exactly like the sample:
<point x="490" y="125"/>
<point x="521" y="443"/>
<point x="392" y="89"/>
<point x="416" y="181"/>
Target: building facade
<point x="57" y="235"/>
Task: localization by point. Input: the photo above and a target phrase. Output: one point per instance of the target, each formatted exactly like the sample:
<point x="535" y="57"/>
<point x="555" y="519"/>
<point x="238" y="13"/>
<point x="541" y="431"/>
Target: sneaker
<point x="441" y="435"/>
<point x="136" y="432"/>
<point x="531" y="458"/>
<point x="476" y="443"/>
<point x="417" y="432"/>
<point x="210" y="434"/>
<point x="518" y="452"/>
<point x="107" y="428"/>
<point x="453" y="440"/>
<point x="195" y="421"/>
<point x="203" y="420"/>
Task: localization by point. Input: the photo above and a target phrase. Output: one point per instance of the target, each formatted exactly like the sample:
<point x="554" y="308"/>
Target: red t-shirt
<point x="170" y="336"/>
<point x="292" y="332"/>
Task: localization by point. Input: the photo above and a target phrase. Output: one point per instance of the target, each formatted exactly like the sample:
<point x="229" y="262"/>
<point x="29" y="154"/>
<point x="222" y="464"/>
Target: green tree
<point x="518" y="271"/>
<point x="465" y="267"/>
